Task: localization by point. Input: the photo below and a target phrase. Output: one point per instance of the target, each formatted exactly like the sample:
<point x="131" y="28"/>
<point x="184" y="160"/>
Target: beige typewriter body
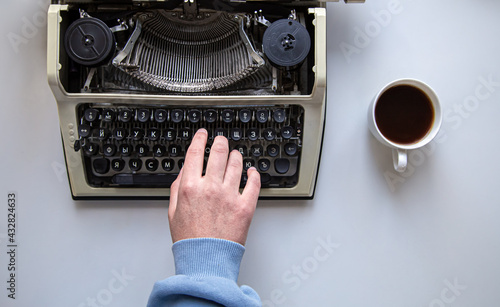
<point x="313" y="104"/>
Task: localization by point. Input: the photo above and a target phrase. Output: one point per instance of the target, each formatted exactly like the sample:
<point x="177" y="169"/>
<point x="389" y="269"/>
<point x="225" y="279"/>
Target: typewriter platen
<point x="134" y="80"/>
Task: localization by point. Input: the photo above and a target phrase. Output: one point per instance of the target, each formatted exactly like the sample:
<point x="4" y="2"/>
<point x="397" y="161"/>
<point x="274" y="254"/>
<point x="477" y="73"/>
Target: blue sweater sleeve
<point x="206" y="273"/>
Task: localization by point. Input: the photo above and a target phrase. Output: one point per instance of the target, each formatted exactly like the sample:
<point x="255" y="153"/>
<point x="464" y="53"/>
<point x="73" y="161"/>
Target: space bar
<point x="152" y="180"/>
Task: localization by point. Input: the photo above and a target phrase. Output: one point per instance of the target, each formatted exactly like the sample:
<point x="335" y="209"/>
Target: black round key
<point x="91" y="149"/>
<point x="174" y="150"/>
<point x="177" y="115"/>
<point x="125" y="115"/>
<point x="273" y="150"/>
<point x="151" y="165"/>
<point x="83" y="130"/>
<point x="180" y="163"/>
<point x="220" y="131"/>
<point x="103" y="134"/>
<point x="153" y="134"/>
<point x="248" y="163"/>
<point x="281" y="165"/>
<point x="167" y="164"/>
<point x="143" y="115"/>
<point x="242" y="149"/>
<point x="263" y="165"/>
<point x="207" y="150"/>
<point x="135" y="164"/>
<point x="210" y="115"/>
<point x="279" y="115"/>
<point x="120" y="133"/>
<point x="194" y="116"/>
<point x="159" y="150"/>
<point x="253" y="134"/>
<point x="109" y="150"/>
<point x="117" y="165"/>
<point x="186" y="134"/>
<point x="125" y="150"/>
<point x="291" y="149"/>
<point x="269" y="134"/>
<point x="256" y="150"/>
<point x="236" y="134"/>
<point x="287" y="132"/>
<point x="91" y="115"/>
<point x="160" y="116"/>
<point x="169" y="134"/>
<point x="228" y="116"/>
<point x="101" y="165"/>
<point x="142" y="149"/>
<point x="108" y="115"/>
<point x="245" y="116"/>
<point x="137" y="133"/>
<point x="262" y="116"/>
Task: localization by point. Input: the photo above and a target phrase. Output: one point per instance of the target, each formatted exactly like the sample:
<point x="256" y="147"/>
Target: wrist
<point x="201" y="257"/>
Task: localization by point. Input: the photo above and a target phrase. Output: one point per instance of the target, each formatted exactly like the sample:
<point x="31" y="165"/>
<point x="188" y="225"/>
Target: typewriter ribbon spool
<point x="286" y="43"/>
<point x="89" y="41"/>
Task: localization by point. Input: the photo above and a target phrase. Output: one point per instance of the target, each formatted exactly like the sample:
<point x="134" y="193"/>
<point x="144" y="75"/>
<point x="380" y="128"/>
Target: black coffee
<point x="404" y="114"/>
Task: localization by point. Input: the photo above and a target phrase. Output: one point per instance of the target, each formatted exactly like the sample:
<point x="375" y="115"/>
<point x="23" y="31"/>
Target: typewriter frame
<point x="314" y="106"/>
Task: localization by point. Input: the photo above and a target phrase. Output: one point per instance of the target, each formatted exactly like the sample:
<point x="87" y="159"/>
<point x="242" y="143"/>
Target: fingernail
<point x="202" y="130"/>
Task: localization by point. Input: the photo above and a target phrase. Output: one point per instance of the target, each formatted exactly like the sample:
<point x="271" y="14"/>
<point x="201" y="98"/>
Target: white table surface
<point x="428" y="238"/>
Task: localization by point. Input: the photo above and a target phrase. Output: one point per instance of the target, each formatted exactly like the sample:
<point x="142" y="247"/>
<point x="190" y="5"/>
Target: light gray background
<point x="429" y="238"/>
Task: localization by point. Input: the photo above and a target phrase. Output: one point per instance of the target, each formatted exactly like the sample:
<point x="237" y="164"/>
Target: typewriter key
<point x="287" y="132"/>
<point x="245" y="115"/>
<point x="117" y="165"/>
<point x="108" y="115"/>
<point x="89" y="41"/>
<point x="291" y="149"/>
<point x="236" y="134"/>
<point x="264" y="165"/>
<point x="83" y="130"/>
<point x="248" y="163"/>
<point x="91" y="115"/>
<point x="120" y="133"/>
<point x="101" y="165"/>
<point x="281" y="165"/>
<point x="210" y="116"/>
<point x="273" y="150"/>
<point x="109" y="150"/>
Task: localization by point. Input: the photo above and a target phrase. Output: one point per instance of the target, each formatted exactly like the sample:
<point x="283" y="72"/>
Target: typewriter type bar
<point x="134" y="80"/>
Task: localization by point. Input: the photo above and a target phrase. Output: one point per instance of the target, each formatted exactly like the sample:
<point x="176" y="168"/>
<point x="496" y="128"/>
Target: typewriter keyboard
<point x="145" y="146"/>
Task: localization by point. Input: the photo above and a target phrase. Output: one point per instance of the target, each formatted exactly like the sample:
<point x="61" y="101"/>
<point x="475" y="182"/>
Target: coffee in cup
<point x="405" y="115"/>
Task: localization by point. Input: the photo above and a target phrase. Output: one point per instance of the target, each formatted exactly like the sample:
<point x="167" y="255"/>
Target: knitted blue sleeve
<point x="206" y="273"/>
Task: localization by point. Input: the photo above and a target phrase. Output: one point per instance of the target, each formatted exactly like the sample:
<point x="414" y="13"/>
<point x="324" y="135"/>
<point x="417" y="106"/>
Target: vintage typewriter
<point x="134" y="80"/>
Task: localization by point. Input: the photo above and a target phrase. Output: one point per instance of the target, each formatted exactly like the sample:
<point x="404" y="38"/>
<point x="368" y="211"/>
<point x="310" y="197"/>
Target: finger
<point x="174" y="192"/>
<point x="233" y="170"/>
<point x="216" y="166"/>
<point x="195" y="155"/>
<point x="251" y="191"/>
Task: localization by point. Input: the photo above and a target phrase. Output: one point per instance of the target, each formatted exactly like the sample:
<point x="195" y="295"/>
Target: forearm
<point x="206" y="273"/>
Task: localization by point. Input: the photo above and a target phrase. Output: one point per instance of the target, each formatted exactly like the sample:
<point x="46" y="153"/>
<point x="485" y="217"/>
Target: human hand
<point x="212" y="206"/>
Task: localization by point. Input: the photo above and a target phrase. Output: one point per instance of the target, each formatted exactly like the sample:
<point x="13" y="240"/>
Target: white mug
<point x="399" y="150"/>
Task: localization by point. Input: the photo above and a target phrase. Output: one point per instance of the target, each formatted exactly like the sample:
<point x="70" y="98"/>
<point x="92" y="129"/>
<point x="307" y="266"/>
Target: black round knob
<point x="89" y="41"/>
<point x="286" y="42"/>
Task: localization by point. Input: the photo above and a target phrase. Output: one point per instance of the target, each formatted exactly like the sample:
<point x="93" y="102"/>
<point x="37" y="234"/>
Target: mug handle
<point x="400" y="159"/>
